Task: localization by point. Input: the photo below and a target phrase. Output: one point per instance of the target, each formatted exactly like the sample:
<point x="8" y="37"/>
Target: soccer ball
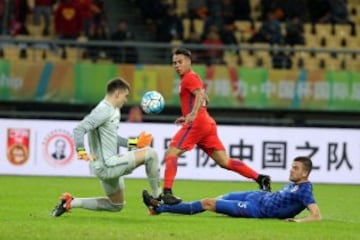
<point x="152" y="102"/>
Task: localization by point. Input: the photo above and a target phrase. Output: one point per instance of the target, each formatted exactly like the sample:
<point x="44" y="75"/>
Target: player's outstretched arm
<point x="314" y="215"/>
<point x="199" y="100"/>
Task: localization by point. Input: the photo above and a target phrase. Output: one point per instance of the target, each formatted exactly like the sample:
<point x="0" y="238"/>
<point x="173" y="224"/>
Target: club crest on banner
<point x="18" y="145"/>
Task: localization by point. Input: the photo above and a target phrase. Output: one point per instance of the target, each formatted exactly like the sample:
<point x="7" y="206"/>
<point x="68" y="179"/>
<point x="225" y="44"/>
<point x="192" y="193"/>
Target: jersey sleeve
<point x="123" y="142"/>
<point x="307" y="196"/>
<point x="192" y="82"/>
<point x="96" y="117"/>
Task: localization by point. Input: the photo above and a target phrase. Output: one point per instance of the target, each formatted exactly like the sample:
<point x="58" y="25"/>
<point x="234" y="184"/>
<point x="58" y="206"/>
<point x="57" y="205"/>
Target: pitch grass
<point x="25" y="204"/>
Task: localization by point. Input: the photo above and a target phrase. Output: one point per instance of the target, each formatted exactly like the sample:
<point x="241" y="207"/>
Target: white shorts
<point x="113" y="185"/>
<point x="111" y="171"/>
<point x="114" y="167"/>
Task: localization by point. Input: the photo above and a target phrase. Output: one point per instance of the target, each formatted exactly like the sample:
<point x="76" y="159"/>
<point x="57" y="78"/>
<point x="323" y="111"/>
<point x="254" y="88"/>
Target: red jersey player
<point x="198" y="128"/>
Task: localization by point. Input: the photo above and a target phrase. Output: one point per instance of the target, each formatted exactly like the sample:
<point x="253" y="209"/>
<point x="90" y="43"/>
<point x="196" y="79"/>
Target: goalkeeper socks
<point x="153" y="171"/>
<point x="97" y="204"/>
<point x="241" y="168"/>
<point x="170" y="171"/>
<point x="182" y="208"/>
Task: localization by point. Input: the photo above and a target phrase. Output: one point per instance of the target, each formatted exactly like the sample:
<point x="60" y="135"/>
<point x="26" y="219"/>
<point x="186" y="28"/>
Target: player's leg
<point x="156" y="207"/>
<point x="236" y="165"/>
<point x="171" y="161"/>
<point x="233" y="208"/>
<point x="121" y="165"/>
<point x="184" y="140"/>
<point x="214" y="147"/>
<point x="239" y="196"/>
<point x="114" y="202"/>
<point x="149" y="157"/>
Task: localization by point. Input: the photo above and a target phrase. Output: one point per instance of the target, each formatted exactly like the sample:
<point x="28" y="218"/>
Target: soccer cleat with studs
<point x="150" y="202"/>
<point x="168" y="198"/>
<point x="63" y="206"/>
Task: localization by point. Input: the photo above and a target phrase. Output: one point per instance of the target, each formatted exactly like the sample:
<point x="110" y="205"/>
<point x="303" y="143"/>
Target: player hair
<point x="117" y="83"/>
<point x="182" y="51"/>
<point x="307" y="163"/>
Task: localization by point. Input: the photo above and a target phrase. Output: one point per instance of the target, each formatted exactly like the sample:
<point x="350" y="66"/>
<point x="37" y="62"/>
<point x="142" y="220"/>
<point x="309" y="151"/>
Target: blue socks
<point x="181" y="208"/>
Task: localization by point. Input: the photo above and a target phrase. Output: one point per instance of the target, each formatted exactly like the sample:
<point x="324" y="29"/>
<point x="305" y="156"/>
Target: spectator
<point x="338" y="12"/>
<point x="68" y="20"/>
<point x="96" y="52"/>
<point x="296" y="9"/>
<point x="135" y="114"/>
<point x="265" y="8"/>
<point x="170" y="27"/>
<point x="330" y="11"/>
<point x="6" y="10"/>
<point x="227" y="33"/>
<point x="197" y="9"/>
<point x="213" y="55"/>
<point x="99" y="17"/>
<point x="43" y="8"/>
<point x="228" y="10"/>
<point x="151" y="10"/>
<point x="294" y="32"/>
<point x="214" y="6"/>
<point x="88" y="9"/>
<point x="275" y="7"/>
<point x="126" y="54"/>
<point x="216" y="19"/>
<point x="18" y="21"/>
<point x="269" y="32"/>
<point x="318" y="10"/>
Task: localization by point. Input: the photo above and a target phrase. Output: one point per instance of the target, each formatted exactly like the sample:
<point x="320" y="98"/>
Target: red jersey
<point x="68" y="19"/>
<point x="203" y="131"/>
<point x="190" y="81"/>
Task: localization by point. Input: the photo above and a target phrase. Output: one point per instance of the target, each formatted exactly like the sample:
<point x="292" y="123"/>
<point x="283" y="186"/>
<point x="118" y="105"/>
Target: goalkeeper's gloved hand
<point x="144" y="140"/>
<point x="82" y="154"/>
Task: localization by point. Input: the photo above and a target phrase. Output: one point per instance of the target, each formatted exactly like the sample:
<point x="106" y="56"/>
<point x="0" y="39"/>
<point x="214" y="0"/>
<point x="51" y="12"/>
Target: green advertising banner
<point x="227" y="86"/>
<point x="5" y="84"/>
<point x="91" y="79"/>
<point x="254" y="91"/>
<point x="344" y="89"/>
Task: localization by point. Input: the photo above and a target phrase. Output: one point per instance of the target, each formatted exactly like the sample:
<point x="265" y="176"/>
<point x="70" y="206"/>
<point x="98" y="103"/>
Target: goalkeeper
<point x="105" y="162"/>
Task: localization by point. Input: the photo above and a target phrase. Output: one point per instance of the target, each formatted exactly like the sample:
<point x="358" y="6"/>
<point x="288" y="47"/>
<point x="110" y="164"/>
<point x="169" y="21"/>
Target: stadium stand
<point x="327" y="46"/>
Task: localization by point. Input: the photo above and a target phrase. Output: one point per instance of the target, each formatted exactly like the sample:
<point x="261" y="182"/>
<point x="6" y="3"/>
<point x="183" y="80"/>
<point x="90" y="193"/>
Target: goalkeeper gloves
<point x="82" y="154"/>
<point x="144" y="140"/>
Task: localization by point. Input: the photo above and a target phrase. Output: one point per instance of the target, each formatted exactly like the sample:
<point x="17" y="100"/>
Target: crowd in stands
<point x="279" y="22"/>
<point x="71" y="18"/>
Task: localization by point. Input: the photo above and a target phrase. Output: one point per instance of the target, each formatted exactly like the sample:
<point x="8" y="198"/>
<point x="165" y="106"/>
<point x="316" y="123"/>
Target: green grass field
<point x="25" y="204"/>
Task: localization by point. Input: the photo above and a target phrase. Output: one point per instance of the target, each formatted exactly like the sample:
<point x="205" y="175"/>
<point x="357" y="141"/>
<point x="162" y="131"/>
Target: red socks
<point x="242" y="169"/>
<point x="233" y="165"/>
<point x="170" y="171"/>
